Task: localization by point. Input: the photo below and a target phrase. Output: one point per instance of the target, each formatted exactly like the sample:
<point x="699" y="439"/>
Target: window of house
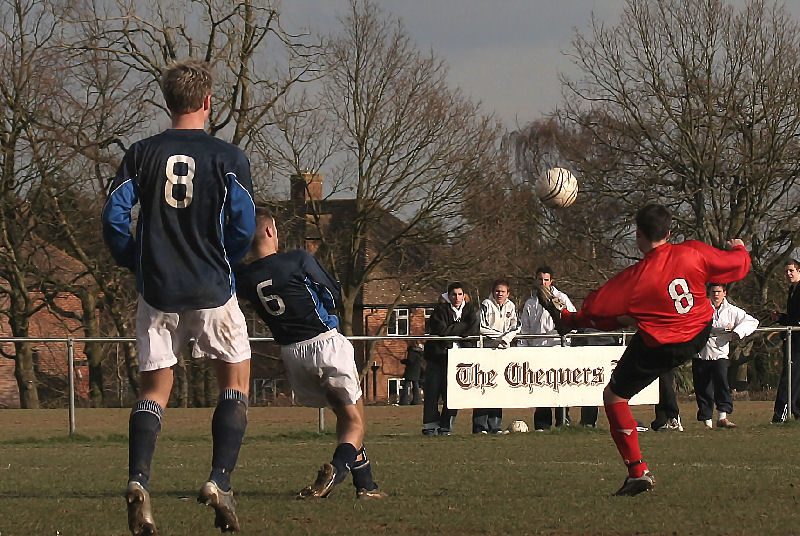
<point x="398" y="322"/>
<point x="428" y="312"/>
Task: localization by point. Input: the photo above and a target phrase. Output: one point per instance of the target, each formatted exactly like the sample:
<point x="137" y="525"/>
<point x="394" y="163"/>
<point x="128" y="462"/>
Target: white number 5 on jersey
<point x="681" y="295"/>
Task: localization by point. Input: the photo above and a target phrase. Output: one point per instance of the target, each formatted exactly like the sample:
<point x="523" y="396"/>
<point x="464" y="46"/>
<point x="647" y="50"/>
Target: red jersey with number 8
<point x="665" y="292"/>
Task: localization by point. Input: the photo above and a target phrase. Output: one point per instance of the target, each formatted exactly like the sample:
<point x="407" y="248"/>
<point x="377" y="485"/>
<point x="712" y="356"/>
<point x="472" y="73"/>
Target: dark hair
<point x="544" y="270"/>
<point x="793" y="261"/>
<point x="654" y="222"/>
<point x="501" y="281"/>
<point x="723" y="285"/>
<point x="264" y="212"/>
<point x="185" y="84"/>
<point x="454" y="285"/>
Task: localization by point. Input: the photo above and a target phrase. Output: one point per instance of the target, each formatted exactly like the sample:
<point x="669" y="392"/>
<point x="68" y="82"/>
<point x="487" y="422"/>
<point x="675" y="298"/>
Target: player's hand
<point x="733" y="242"/>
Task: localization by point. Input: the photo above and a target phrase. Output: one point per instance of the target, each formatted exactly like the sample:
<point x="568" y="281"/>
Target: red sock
<point x="625" y="436"/>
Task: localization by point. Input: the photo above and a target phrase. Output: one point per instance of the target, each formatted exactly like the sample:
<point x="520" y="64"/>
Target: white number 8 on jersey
<point x="174" y="179"/>
<point x="681" y="295"/>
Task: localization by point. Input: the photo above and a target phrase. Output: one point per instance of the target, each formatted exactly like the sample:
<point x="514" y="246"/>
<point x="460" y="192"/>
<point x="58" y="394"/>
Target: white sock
<point x="707" y="422"/>
<point x="723" y="415"/>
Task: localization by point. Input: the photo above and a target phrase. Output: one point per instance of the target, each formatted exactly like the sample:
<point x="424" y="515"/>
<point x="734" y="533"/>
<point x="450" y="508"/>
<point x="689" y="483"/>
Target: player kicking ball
<point x="664" y="295"/>
<point x="296" y="298"/>
<point x="195" y="221"/>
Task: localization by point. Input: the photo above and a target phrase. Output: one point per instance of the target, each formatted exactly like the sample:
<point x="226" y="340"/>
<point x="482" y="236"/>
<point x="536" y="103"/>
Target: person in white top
<point x="535" y="320"/>
<point x="710" y="367"/>
<point x="499" y="326"/>
<point x="499" y="322"/>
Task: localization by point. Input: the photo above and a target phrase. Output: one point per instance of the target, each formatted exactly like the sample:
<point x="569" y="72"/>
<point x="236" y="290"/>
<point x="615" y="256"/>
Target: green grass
<point x="742" y="481"/>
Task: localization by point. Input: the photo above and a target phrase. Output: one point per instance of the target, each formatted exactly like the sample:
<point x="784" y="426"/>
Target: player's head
<point x="544" y="276"/>
<point x="717" y="293"/>
<point x="652" y="225"/>
<point x="455" y="292"/>
<point x="265" y="239"/>
<point x="500" y="290"/>
<point x="186" y="86"/>
<point x="793" y="271"/>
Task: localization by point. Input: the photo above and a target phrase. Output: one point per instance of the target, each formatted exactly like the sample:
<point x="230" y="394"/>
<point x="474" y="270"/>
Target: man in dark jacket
<point x="454" y="315"/>
<point x="412" y="375"/>
<point x="790" y="318"/>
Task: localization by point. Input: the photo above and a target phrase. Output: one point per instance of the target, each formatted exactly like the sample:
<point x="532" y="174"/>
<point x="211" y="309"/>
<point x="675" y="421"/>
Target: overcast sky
<point x="505" y="53"/>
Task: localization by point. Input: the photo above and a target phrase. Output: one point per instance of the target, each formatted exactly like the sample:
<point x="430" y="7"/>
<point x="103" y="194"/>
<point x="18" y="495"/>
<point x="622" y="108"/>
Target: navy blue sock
<point x="143" y="428"/>
<point x="362" y="473"/>
<point x="344" y="457"/>
<point x="227" y="429"/>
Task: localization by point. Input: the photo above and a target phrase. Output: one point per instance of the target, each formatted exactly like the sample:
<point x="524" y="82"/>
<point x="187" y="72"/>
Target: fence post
<point x="789" y="370"/>
<point x="563" y="409"/>
<point x="71" y="367"/>
<point x="375" y="368"/>
<point x="321" y="420"/>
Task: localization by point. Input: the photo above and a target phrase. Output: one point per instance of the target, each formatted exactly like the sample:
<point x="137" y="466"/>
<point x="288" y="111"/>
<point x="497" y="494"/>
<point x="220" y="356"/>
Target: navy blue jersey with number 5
<point x="293" y="294"/>
<point x="196" y="218"/>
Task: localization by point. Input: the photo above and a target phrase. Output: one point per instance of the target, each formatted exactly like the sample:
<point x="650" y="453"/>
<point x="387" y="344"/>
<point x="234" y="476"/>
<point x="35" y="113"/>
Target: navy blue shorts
<point x="640" y="365"/>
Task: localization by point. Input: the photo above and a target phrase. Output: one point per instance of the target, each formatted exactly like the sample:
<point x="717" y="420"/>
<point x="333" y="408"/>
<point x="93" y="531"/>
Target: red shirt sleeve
<point x="664" y="292"/>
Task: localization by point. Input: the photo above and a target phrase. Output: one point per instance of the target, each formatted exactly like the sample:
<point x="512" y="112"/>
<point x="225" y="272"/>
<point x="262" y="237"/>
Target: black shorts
<point x="640" y="365"/>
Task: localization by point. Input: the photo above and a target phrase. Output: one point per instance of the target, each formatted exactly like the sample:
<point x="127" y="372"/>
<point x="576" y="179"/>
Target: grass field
<point x="743" y="481"/>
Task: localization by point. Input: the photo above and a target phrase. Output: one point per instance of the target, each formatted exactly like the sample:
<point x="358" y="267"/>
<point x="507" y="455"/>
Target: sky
<point x="507" y="54"/>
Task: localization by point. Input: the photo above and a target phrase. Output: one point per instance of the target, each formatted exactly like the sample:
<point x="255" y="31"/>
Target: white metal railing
<point x="71" y="341"/>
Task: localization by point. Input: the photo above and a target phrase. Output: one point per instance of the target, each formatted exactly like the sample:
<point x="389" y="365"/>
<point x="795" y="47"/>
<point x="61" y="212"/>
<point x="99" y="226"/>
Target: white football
<point x="557" y="188"/>
<point x="518" y="427"/>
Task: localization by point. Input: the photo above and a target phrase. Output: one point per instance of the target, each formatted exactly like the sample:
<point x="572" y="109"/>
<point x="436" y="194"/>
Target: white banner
<point x="534" y="377"/>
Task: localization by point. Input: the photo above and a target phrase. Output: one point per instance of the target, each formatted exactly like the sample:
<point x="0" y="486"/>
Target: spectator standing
<point x="790" y="318"/>
<point x="668" y="416"/>
<point x="453" y="315"/>
<point x="499" y="325"/>
<point x="710" y="367"/>
<point x="412" y="374"/>
<point x="535" y="320"/>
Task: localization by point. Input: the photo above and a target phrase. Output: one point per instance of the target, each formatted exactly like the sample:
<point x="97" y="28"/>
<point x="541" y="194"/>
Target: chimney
<point x="306" y="186"/>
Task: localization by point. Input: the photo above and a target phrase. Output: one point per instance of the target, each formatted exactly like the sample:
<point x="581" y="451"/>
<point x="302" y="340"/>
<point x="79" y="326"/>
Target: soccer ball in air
<point x="557" y="188"/>
<point x="518" y="427"/>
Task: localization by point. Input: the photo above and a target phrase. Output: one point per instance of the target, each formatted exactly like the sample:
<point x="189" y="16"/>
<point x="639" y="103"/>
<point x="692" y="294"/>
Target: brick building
<point x="50" y="358"/>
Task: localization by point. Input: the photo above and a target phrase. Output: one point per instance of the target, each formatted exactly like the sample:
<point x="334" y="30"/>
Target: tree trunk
<point x="132" y="366"/>
<point x="93" y="351"/>
<point x="181" y="382"/>
<point x="25" y="374"/>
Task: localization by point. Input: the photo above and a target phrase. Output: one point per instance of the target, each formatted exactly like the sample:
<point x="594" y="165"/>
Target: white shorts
<point x="323" y="370"/>
<point x="221" y="333"/>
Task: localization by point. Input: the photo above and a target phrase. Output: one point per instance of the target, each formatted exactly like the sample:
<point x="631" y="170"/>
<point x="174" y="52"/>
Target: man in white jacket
<point x="710" y="367"/>
<point x="534" y="319"/>
<point x="498" y="326"/>
<point x="499" y="317"/>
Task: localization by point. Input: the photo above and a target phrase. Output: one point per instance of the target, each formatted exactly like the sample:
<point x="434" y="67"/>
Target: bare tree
<point x="404" y="147"/>
<point x="699" y="104"/>
<point x="29" y="88"/>
<point x="255" y="60"/>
